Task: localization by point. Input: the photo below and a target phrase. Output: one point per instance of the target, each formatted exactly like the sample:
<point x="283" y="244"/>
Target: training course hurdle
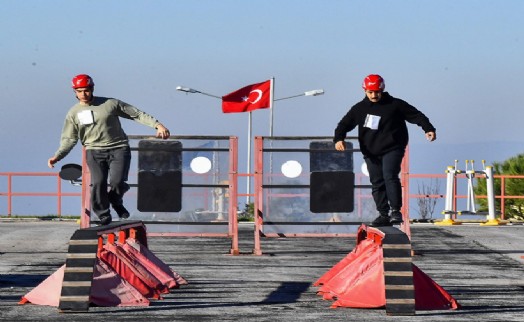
<point x="184" y="186"/>
<point x="106" y="266"/>
<point x="305" y="188"/>
<point x="379" y="273"/>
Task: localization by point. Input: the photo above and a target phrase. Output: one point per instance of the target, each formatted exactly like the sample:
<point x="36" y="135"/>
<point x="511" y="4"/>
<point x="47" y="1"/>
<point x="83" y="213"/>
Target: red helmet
<point x="82" y="80"/>
<point x="373" y="83"/>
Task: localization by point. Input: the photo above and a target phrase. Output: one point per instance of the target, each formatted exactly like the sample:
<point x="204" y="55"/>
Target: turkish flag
<point x="247" y="99"/>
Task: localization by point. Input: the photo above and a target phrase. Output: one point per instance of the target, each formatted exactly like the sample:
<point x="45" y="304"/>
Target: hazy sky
<point x="460" y="62"/>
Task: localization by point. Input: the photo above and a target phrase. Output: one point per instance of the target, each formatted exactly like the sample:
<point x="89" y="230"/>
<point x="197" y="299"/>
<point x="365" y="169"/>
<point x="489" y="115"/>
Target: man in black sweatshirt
<point x="383" y="137"/>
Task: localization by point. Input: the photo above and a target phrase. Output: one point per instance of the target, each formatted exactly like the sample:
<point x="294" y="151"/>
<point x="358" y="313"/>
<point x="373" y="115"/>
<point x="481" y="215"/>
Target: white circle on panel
<point x="291" y="169"/>
<point x="364" y="169"/>
<point x="200" y="165"/>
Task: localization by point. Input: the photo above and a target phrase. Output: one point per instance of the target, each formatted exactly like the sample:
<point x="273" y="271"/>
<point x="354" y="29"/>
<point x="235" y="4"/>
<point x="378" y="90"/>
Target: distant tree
<point x="426" y="204"/>
<point x="514" y="208"/>
<point x="248" y="214"/>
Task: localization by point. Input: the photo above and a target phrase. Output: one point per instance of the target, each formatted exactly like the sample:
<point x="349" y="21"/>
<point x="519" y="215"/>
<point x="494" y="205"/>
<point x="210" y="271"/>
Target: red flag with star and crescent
<point x="248" y="98"/>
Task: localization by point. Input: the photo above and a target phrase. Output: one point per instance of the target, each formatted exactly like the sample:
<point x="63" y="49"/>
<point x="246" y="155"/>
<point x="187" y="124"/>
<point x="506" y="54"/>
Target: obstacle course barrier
<point x="379" y="273"/>
<point x="106" y="266"/>
<point x="185" y="186"/>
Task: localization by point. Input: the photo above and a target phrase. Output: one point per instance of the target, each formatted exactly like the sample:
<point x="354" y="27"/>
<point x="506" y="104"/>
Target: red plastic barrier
<point x="350" y="257"/>
<point x="110" y="289"/>
<point x="358" y="280"/>
<point x="158" y="268"/>
<point x="359" y="284"/>
<point x="117" y="273"/>
<point x="107" y="289"/>
<point x="131" y="271"/>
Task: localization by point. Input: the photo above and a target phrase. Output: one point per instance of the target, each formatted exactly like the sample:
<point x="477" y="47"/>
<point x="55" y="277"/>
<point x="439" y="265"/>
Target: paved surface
<point x="480" y="266"/>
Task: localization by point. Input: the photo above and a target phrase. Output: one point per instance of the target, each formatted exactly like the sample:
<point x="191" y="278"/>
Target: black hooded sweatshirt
<point x="382" y="125"/>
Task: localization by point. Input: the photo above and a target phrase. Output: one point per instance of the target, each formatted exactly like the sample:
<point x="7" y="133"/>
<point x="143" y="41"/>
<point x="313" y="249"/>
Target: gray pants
<point x="104" y="165"/>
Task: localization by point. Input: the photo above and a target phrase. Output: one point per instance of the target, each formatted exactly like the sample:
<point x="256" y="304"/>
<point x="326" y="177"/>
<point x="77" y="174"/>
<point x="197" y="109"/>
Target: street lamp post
<point x="192" y="90"/>
<point x="314" y="92"/>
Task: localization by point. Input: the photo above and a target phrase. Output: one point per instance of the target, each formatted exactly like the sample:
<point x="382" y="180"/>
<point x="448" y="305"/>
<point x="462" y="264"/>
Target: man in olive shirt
<point x="95" y="121"/>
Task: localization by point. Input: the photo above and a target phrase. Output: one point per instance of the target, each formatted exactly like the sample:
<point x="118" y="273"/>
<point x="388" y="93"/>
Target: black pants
<point x="112" y="164"/>
<point x="384" y="176"/>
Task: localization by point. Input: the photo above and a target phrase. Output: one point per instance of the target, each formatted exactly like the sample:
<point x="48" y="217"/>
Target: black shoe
<point x="105" y="218"/>
<point x="381" y="221"/>
<point x="396" y="217"/>
<point x="121" y="211"/>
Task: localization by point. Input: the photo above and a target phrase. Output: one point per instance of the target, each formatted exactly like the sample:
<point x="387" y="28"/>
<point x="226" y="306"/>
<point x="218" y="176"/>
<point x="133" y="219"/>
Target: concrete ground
<point x="481" y="267"/>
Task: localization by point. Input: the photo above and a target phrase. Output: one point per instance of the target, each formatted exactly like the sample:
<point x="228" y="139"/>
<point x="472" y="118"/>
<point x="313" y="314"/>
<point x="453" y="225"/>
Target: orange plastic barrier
<point x="104" y="271"/>
<point x="379" y="273"/>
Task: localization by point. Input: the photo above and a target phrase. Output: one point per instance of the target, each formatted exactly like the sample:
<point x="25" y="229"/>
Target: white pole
<point x="471" y="193"/>
<point x="450" y="185"/>
<point x="450" y="188"/>
<point x="491" y="194"/>
<point x="271" y="105"/>
<point x="470" y="175"/>
<point x="248" y="197"/>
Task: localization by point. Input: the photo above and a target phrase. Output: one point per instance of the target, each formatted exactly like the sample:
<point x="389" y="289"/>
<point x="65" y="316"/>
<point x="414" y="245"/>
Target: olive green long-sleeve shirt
<point x="97" y="125"/>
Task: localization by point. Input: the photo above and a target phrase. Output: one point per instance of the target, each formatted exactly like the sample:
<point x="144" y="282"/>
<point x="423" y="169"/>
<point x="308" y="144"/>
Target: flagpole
<point x="271" y="106"/>
<point x="248" y="197"/>
<point x="271" y="103"/>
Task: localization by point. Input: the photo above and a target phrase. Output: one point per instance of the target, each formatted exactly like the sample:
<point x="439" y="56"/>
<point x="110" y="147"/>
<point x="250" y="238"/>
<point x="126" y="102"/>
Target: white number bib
<point x="85" y="117"/>
<point x="372" y="121"/>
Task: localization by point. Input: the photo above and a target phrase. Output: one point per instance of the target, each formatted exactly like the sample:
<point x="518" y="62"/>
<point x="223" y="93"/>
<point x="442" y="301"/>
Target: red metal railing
<point x="407" y="178"/>
<point x="502" y="196"/>
<point x="58" y="193"/>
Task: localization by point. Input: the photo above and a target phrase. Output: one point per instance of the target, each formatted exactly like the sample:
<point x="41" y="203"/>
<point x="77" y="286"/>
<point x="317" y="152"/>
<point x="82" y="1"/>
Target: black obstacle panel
<point x="159" y="176"/>
<point x="332" y="180"/>
<point x="332" y="191"/>
<point x="324" y="157"/>
<point x="159" y="192"/>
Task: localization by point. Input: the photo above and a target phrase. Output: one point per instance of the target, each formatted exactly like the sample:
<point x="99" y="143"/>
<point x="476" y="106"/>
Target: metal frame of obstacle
<point x="202" y="214"/>
<point x="271" y="155"/>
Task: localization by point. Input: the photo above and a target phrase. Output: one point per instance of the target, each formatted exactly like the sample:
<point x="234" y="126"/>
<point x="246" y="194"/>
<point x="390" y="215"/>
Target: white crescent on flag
<point x="259" y="92"/>
<point x="248" y="98"/>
